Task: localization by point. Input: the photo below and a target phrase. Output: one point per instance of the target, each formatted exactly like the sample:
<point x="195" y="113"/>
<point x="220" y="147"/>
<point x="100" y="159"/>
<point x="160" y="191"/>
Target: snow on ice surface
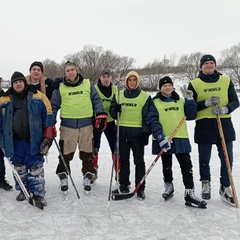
<point x="152" y="219"/>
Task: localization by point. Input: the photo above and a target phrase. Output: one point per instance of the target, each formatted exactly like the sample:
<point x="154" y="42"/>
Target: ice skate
<point x="206" y="190"/>
<point x="169" y="190"/>
<point x="226" y="195"/>
<point x="141" y="195"/>
<point x="20" y="196"/>
<point x="5" y="185"/>
<point x="192" y="200"/>
<point x="87" y="182"/>
<point x="122" y="189"/>
<point x="63" y="182"/>
<point x="42" y="200"/>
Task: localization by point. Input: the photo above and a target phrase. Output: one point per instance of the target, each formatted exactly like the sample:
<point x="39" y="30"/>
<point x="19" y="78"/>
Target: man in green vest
<point x="215" y="95"/>
<point x="78" y="101"/>
<point x="106" y="90"/>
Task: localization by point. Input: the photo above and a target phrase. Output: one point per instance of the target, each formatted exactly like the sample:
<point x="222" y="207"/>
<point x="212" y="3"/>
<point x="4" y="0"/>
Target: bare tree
<point x="92" y="59"/>
<point x="52" y="69"/>
<point x="189" y="65"/>
<point x="231" y="60"/>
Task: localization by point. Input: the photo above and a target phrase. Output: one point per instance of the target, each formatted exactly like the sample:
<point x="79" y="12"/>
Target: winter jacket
<point x="39" y="117"/>
<point x="56" y="101"/>
<point x="45" y="85"/>
<point x="179" y="145"/>
<point x="106" y="94"/>
<point x="206" y="129"/>
<point x="131" y="133"/>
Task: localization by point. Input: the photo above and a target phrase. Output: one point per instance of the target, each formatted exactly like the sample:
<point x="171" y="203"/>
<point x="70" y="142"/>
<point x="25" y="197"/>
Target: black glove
<point x="145" y="139"/>
<point x="45" y="145"/>
<point x="101" y="122"/>
<point x="49" y="133"/>
<point x="118" y="108"/>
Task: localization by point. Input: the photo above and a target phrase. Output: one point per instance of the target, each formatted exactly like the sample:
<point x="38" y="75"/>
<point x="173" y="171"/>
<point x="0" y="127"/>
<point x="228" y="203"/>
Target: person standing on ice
<point x="37" y="81"/>
<point x="133" y="131"/>
<point x="4" y="184"/>
<point x="26" y="130"/>
<point x="215" y="95"/>
<point x="106" y="91"/>
<point x="165" y="112"/>
<point x="77" y="100"/>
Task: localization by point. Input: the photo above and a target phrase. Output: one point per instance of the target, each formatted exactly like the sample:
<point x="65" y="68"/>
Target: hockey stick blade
<point x="36" y="203"/>
<point x="118" y="196"/>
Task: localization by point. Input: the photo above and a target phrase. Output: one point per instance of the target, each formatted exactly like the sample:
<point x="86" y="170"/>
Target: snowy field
<point x="152" y="219"/>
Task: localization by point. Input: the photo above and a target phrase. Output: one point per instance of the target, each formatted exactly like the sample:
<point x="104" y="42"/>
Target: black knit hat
<point x="206" y="58"/>
<point x="39" y="64"/>
<point x="164" y="80"/>
<point x="17" y="76"/>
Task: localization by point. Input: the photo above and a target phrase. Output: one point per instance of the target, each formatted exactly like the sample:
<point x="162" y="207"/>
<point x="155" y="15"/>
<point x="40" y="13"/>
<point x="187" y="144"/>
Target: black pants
<point x="2" y="166"/>
<point x="185" y="163"/>
<point x="137" y="148"/>
<point x="110" y="135"/>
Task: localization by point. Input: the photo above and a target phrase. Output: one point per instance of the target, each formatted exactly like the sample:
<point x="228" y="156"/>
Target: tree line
<point x="92" y="59"/>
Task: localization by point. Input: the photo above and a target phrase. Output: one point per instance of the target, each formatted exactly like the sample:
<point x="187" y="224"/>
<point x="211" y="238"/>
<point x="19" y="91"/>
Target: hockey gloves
<point x="214" y="100"/>
<point x="219" y="110"/>
<point x="164" y="144"/>
<point x="49" y="133"/>
<point x="101" y="122"/>
<point x="118" y="108"/>
<point x="188" y="94"/>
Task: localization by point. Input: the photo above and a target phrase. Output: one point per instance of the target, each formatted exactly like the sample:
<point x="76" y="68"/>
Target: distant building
<point x="5" y="83"/>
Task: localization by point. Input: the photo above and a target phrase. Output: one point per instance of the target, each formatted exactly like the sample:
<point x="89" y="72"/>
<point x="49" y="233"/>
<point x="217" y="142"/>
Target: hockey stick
<point x="66" y="167"/>
<point x="117" y="141"/>
<point x="118" y="196"/>
<point x="235" y="199"/>
<point x="34" y="202"/>
<point x="116" y="154"/>
<point x="70" y="176"/>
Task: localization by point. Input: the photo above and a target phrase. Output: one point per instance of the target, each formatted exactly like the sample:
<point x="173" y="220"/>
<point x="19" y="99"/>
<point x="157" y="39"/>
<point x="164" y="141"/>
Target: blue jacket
<point x="178" y="145"/>
<point x="39" y="117"/>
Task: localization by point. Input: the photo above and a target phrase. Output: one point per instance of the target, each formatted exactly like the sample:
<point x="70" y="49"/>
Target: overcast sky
<point x="142" y="29"/>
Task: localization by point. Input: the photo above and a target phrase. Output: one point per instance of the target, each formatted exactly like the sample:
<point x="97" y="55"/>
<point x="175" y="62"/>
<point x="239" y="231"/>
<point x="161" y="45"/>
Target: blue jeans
<point x="29" y="167"/>
<point x="204" y="150"/>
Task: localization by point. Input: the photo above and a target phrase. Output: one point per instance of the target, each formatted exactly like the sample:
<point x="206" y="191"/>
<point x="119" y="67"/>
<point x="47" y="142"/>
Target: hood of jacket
<point x="132" y="73"/>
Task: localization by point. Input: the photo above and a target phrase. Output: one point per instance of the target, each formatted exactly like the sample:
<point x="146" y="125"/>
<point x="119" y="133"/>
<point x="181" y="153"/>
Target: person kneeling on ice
<point x="26" y="130"/>
<point x="165" y="112"/>
<point x="77" y="100"/>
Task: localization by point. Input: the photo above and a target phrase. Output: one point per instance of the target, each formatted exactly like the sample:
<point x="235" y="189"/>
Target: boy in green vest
<point x="165" y="112"/>
<point x="133" y="131"/>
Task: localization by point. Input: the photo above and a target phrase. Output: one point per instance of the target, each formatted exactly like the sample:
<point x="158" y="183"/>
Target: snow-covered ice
<point x="152" y="219"/>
